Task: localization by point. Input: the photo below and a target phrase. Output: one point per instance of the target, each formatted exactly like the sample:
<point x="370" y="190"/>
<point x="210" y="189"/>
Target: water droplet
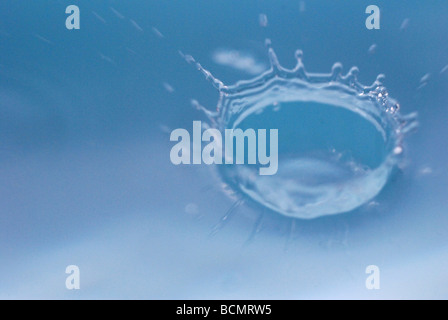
<point x="372" y="49"/>
<point x="422" y="85"/>
<point x="263" y="20"/>
<point x="116" y="13"/>
<point x="43" y="39"/>
<point x="405" y="24"/>
<point x="426" y="171"/>
<point x="136" y="25"/>
<point x="168" y="87"/>
<point x="100" y="18"/>
<point x="425" y="78"/>
<point x="157" y="32"/>
<point x="398" y="150"/>
<point x="299" y="55"/>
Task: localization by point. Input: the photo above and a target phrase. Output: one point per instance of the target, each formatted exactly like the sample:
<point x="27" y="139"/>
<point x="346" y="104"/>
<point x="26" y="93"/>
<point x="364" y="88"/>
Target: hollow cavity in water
<point x="329" y="160"/>
<point x="338" y="140"/>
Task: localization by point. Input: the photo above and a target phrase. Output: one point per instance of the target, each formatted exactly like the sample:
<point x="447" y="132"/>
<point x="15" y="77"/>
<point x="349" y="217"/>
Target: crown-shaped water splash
<point x="280" y="85"/>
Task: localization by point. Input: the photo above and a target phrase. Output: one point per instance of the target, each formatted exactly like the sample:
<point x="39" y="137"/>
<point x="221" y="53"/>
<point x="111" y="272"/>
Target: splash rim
<point x="372" y="101"/>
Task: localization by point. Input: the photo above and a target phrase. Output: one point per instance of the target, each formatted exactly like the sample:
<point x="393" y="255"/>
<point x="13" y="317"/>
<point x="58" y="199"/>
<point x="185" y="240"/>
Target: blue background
<point x="86" y="179"/>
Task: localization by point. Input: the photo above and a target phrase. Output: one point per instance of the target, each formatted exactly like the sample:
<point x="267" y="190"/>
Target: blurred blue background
<point x="85" y="174"/>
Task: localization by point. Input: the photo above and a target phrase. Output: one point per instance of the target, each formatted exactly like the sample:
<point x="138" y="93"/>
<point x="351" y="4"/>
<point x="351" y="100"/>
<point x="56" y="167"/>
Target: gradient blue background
<point x="86" y="179"/>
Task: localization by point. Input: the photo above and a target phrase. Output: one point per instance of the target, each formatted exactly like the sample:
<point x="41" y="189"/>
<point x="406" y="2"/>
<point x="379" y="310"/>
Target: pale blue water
<point x="86" y="178"/>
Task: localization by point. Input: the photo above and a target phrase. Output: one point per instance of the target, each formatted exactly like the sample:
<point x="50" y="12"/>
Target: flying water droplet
<point x="263" y="20"/>
<point x="405" y="24"/>
<point x="136" y="25"/>
<point x="157" y="32"/>
<point x="168" y="87"/>
<point x="100" y="18"/>
<point x="116" y="13"/>
<point x="425" y="78"/>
